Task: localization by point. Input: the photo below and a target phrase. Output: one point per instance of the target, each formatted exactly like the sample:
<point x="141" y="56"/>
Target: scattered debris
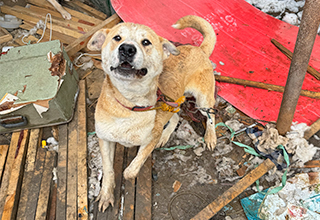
<point x="52" y="144"/>
<point x="9" y="22"/>
<point x="198" y="151"/>
<point x="185" y="135"/>
<point x="95" y="166"/>
<point x="176" y="186"/>
<point x="225" y="168"/>
<point x="299" y="199"/>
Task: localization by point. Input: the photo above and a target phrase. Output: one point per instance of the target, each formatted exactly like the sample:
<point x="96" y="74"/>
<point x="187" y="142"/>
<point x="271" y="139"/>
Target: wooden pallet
<point x="28" y="190"/>
<point x="133" y="198"/>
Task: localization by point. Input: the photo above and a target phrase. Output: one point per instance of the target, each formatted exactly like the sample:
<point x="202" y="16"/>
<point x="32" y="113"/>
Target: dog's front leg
<point x="106" y="196"/>
<point x="144" y="151"/>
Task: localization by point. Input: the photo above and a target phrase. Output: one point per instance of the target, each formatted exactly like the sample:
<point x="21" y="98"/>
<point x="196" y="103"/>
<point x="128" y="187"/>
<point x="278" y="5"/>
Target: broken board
<point x="243" y="49"/>
<point x="41" y="88"/>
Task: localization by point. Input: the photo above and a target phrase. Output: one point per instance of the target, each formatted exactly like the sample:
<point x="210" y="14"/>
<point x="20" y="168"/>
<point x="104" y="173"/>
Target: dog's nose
<point x="127" y="52"/>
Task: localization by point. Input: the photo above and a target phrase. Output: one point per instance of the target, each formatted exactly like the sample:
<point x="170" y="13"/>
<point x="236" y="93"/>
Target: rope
<point x="44" y="29"/>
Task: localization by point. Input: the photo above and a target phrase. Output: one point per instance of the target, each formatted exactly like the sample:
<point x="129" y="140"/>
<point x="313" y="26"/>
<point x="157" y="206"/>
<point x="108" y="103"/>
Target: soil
<point x="200" y="182"/>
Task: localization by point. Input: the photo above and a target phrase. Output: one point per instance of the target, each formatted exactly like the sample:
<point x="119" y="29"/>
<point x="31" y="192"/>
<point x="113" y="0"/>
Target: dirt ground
<point x="200" y="181"/>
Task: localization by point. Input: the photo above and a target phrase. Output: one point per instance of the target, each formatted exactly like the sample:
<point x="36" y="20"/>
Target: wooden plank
<point x="144" y="192"/>
<point x="129" y="194"/>
<point x="55" y="35"/>
<point x="214" y="207"/>
<point x="72" y="207"/>
<point x="13" y="191"/>
<point x="83" y="28"/>
<point x="289" y="54"/>
<point x="118" y="166"/>
<point x="46" y="4"/>
<point x="82" y="153"/>
<point x="91" y="11"/>
<point x="8" y="169"/>
<point x="34" y="21"/>
<point x="30" y="38"/>
<point x="5" y="36"/>
<point x="314" y="128"/>
<point x="81" y="42"/>
<point x="57" y="15"/>
<point x="34" y="188"/>
<point x="45" y="11"/>
<point x="118" y="170"/>
<point x="62" y="173"/>
<point x="312" y="164"/>
<point x="43" y="201"/>
<point x="3" y="156"/>
<point x="34" y="143"/>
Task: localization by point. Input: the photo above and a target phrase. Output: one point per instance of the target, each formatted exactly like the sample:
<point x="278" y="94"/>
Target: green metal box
<point x="38" y="87"/>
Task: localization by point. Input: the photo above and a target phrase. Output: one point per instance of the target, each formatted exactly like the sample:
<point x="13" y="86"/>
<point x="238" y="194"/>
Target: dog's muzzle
<point x="126" y="58"/>
<point x="127" y="52"/>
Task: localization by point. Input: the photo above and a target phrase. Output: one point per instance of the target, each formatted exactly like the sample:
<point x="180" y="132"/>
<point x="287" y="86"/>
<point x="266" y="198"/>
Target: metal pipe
<point x="306" y="36"/>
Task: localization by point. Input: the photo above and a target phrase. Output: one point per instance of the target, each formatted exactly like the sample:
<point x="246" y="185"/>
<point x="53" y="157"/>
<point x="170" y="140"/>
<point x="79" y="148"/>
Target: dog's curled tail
<point x="201" y="25"/>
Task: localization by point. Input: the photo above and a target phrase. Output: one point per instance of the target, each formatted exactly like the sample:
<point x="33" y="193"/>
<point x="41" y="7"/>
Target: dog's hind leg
<point x="206" y="102"/>
<point x="106" y="196"/>
<point x="204" y="95"/>
<point x="167" y="130"/>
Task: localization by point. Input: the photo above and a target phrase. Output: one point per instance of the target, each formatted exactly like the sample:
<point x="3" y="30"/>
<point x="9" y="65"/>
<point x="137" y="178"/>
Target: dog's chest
<point x="130" y="131"/>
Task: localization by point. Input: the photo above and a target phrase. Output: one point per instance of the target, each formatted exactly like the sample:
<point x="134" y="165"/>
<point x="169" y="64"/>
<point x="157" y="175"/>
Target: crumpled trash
<point x="299" y="199"/>
<point x="293" y="142"/>
<point x="10" y="22"/>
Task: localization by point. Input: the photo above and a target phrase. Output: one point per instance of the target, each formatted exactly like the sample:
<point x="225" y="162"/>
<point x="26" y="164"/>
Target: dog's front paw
<point x="66" y="15"/>
<point x="130" y="172"/>
<point x="105" y="198"/>
<point x="211" y="140"/>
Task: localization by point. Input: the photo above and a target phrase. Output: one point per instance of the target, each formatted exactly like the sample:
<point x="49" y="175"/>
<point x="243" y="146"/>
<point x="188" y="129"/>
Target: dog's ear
<point x="169" y="48"/>
<point x="97" y="40"/>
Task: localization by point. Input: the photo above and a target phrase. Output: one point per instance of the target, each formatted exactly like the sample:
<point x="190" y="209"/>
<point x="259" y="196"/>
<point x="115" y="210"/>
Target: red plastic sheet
<point x="243" y="50"/>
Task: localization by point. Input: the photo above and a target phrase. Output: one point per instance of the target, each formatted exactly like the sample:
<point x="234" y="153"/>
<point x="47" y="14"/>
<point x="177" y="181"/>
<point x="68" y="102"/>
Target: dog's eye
<point x="146" y="42"/>
<point x="117" y="38"/>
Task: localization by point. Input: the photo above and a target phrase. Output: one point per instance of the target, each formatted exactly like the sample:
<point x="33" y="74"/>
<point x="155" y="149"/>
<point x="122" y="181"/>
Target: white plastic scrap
<point x="293" y="142"/>
<point x="303" y="151"/>
<point x="185" y="135"/>
<point x="297" y="200"/>
<point x="225" y="167"/>
<point x="291" y="19"/>
<point x="235" y="125"/>
<point x="52" y="144"/>
<point x="274" y="6"/>
<point x="270" y="139"/>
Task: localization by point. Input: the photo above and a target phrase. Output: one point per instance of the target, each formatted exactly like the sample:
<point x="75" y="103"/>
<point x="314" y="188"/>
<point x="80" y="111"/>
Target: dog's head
<point x="131" y="51"/>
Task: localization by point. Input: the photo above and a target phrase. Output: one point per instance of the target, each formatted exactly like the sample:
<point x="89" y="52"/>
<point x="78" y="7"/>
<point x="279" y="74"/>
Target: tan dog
<point x="137" y="62"/>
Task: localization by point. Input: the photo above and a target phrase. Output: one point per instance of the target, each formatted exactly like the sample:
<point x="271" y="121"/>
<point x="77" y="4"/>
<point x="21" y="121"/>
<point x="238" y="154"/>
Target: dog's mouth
<point x="127" y="70"/>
